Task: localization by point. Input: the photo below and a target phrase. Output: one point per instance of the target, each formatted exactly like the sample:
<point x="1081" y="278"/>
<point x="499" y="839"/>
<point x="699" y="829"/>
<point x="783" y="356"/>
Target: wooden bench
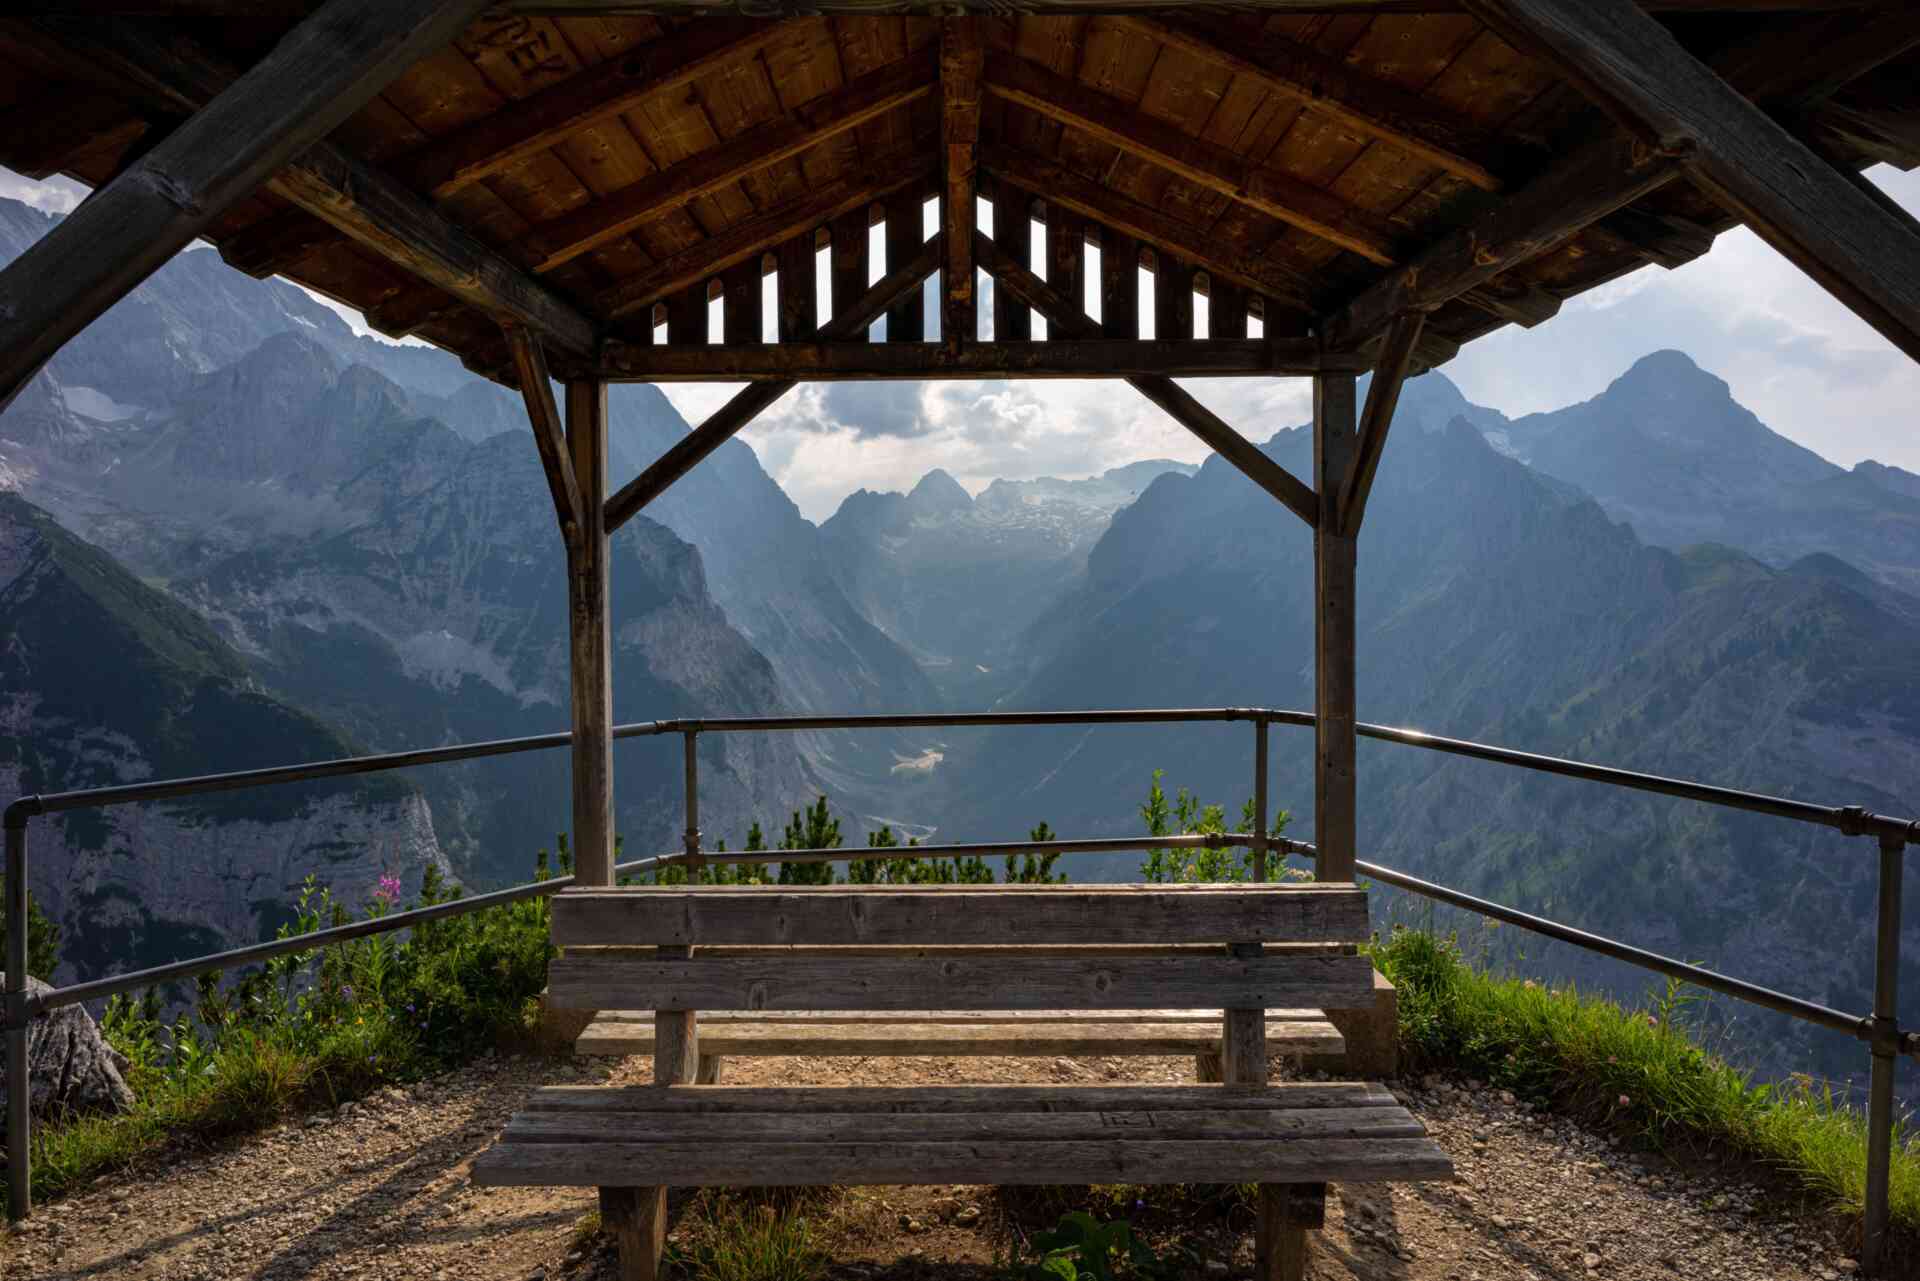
<point x="911" y="950"/>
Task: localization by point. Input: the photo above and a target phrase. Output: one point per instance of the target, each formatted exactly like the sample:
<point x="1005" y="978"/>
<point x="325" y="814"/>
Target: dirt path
<point x="379" y="1190"/>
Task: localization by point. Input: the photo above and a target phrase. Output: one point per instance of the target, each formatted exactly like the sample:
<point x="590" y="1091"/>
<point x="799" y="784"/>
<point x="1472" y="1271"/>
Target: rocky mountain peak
<point x="940" y="493"/>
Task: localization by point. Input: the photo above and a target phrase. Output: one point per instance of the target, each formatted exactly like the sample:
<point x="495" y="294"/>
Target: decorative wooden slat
<point x="411" y="309"/>
<point x="799" y="289"/>
<point x="1118" y="124"/>
<point x="654" y="71"/>
<point x="549" y="433"/>
<point x="1081" y="358"/>
<point x="1178" y="403"/>
<point x="1119" y="284"/>
<point x="961" y="57"/>
<point x="906" y="320"/>
<point x="1117" y="1160"/>
<point x="955" y="915"/>
<point x="1226" y="310"/>
<point x="899" y="1040"/>
<point x="1328" y="87"/>
<point x="847" y="269"/>
<point x="1794" y="200"/>
<point x="742" y="308"/>
<point x="923" y="1100"/>
<point x="1012" y="243"/>
<point x="1067" y="256"/>
<point x="322" y="71"/>
<point x="1297" y="1125"/>
<point x="687" y="452"/>
<point x="1383" y="396"/>
<point x="1516" y="301"/>
<point x="658" y="194"/>
<point x="1172" y="299"/>
<point x="277" y="242"/>
<point x="585" y="979"/>
<point x="756" y="235"/>
<point x="687" y="314"/>
<point x="1061" y="186"/>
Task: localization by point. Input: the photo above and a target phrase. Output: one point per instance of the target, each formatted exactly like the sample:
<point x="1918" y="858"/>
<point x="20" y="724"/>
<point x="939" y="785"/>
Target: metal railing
<point x="1879" y="1028"/>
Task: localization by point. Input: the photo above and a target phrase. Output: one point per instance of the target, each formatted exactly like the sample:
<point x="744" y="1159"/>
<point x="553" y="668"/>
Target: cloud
<point x="51" y="195"/>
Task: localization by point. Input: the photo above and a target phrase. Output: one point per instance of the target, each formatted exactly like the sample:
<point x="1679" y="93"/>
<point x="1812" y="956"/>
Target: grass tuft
<point x="747" y="1238"/>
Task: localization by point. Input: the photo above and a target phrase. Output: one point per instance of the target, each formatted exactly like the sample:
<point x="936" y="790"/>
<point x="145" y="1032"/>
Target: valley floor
<point x="378" y="1192"/>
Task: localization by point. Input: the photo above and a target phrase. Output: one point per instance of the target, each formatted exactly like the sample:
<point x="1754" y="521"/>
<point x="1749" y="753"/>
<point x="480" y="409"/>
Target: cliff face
<point x="104" y="680"/>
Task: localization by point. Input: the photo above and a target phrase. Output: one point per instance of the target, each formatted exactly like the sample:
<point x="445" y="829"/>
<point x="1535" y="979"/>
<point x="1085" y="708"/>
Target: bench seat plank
<point x="1288" y="1124"/>
<point x="933" y="1099"/>
<point x="954" y="1016"/>
<point x="591" y="980"/>
<point x="1023" y="1038"/>
<point x="958" y="915"/>
<point x="1002" y="1162"/>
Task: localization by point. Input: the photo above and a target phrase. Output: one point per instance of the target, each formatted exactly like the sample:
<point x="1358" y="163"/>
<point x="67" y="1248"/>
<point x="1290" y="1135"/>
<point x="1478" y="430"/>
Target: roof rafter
<point x="807" y="126"/>
<point x="1120" y="124"/>
<point x="1326" y="86"/>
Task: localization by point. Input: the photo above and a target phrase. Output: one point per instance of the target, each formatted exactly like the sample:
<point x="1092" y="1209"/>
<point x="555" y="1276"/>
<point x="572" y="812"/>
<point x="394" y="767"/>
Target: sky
<point x="1797" y="358"/>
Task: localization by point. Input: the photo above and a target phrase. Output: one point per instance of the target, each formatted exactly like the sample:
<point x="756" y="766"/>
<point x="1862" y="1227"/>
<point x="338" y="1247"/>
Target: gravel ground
<point x="379" y="1190"/>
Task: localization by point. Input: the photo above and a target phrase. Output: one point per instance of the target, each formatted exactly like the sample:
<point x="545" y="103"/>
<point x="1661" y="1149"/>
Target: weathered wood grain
<point x="1119" y="124"/>
<point x="549" y="433"/>
<point x="1335" y="446"/>
<point x="1117" y="1160"/>
<point x="1046" y="358"/>
<point x="582" y="979"/>
<point x="322" y="71"/>
<point x="1792" y="198"/>
<point x="929" y="1099"/>
<point x="961" y="57"/>
<point x="661" y="193"/>
<point x="714" y="1018"/>
<point x="1026" y="1038"/>
<point x="590" y="639"/>
<point x="956" y="916"/>
<point x="1383" y="397"/>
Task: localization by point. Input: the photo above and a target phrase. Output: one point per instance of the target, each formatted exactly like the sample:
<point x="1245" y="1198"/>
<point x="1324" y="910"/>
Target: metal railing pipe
<point x="1852" y="1024"/>
<point x="857" y="853"/>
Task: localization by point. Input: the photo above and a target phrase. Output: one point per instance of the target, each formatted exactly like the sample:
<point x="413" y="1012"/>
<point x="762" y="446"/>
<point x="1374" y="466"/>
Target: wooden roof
<point x="602" y="171"/>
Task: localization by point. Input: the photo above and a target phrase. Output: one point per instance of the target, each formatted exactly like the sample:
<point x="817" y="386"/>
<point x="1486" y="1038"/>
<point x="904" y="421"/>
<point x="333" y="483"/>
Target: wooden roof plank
<point x="711" y="170"/>
<point x="759" y="234"/>
<point x="536" y="123"/>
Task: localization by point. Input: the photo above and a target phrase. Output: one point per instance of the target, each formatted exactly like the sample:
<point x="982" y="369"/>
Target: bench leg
<point x="1207" y="1068"/>
<point x="709" y="1071"/>
<point x="1285" y="1213"/>
<point x="636" y="1218"/>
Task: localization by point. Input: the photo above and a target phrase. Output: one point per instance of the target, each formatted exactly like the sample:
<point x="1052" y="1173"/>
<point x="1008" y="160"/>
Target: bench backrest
<point x="954" y="947"/>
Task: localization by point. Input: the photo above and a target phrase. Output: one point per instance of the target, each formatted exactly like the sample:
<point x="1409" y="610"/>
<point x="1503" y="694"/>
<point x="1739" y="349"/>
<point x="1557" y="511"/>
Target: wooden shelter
<point x="567" y="187"/>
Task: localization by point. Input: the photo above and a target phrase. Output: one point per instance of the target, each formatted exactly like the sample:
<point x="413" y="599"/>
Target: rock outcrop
<point x="70" y="1066"/>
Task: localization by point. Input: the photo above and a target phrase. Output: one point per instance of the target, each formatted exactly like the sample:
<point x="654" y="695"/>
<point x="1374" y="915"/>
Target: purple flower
<point x="346" y="991"/>
<point x="388" y="890"/>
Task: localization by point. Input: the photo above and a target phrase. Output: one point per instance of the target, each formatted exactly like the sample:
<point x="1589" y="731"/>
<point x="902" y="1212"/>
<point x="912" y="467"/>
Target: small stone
<point x="967" y="1217"/>
<point x="1590" y="1261"/>
<point x="1216" y="1267"/>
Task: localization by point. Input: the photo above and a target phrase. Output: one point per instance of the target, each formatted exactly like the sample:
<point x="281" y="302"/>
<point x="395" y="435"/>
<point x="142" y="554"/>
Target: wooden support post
<point x="320" y="73"/>
<point x="1119" y="284"/>
<point x="1794" y="200"/>
<point x="798" y="291"/>
<point x="1334" y="809"/>
<point x="1066" y="258"/>
<point x="906" y="320"/>
<point x="961" y="56"/>
<point x="1226" y="310"/>
<point x="1013" y="240"/>
<point x="687" y="317"/>
<point x="591" y="634"/>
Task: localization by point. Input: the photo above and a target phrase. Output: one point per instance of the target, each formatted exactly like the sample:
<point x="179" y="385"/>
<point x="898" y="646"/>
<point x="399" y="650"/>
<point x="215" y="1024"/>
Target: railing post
<point x="1260" y="796"/>
<point x="693" y="805"/>
<point x="1886" y="979"/>
<point x="19" y="1092"/>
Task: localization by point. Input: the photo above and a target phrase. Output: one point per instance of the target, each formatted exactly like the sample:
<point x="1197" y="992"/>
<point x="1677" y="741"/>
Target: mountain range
<point x="281" y="540"/>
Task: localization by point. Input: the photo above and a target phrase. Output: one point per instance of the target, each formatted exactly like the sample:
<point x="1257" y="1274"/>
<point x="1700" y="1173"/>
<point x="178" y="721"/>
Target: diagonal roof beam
<point x="1377" y="109"/>
<point x="1120" y="124"/>
<point x="619" y="212"/>
<point x="757" y="234"/>
<point x="961" y="58"/>
<point x="1057" y="184"/>
<point x="175" y="75"/>
<point x="1383" y="397"/>
<point x="1069" y="320"/>
<point x="1815" y="216"/>
<point x="322" y="71"/>
<point x="756" y="398"/>
<point x="549" y="432"/>
<point x="628" y="80"/>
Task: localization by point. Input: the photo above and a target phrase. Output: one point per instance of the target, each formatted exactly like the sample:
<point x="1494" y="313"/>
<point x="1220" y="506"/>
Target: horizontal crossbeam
<point x="1069" y="358"/>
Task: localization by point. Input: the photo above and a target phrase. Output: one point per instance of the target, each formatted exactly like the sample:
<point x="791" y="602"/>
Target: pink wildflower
<point x="388" y="890"/>
<point x="1625" y="1102"/>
